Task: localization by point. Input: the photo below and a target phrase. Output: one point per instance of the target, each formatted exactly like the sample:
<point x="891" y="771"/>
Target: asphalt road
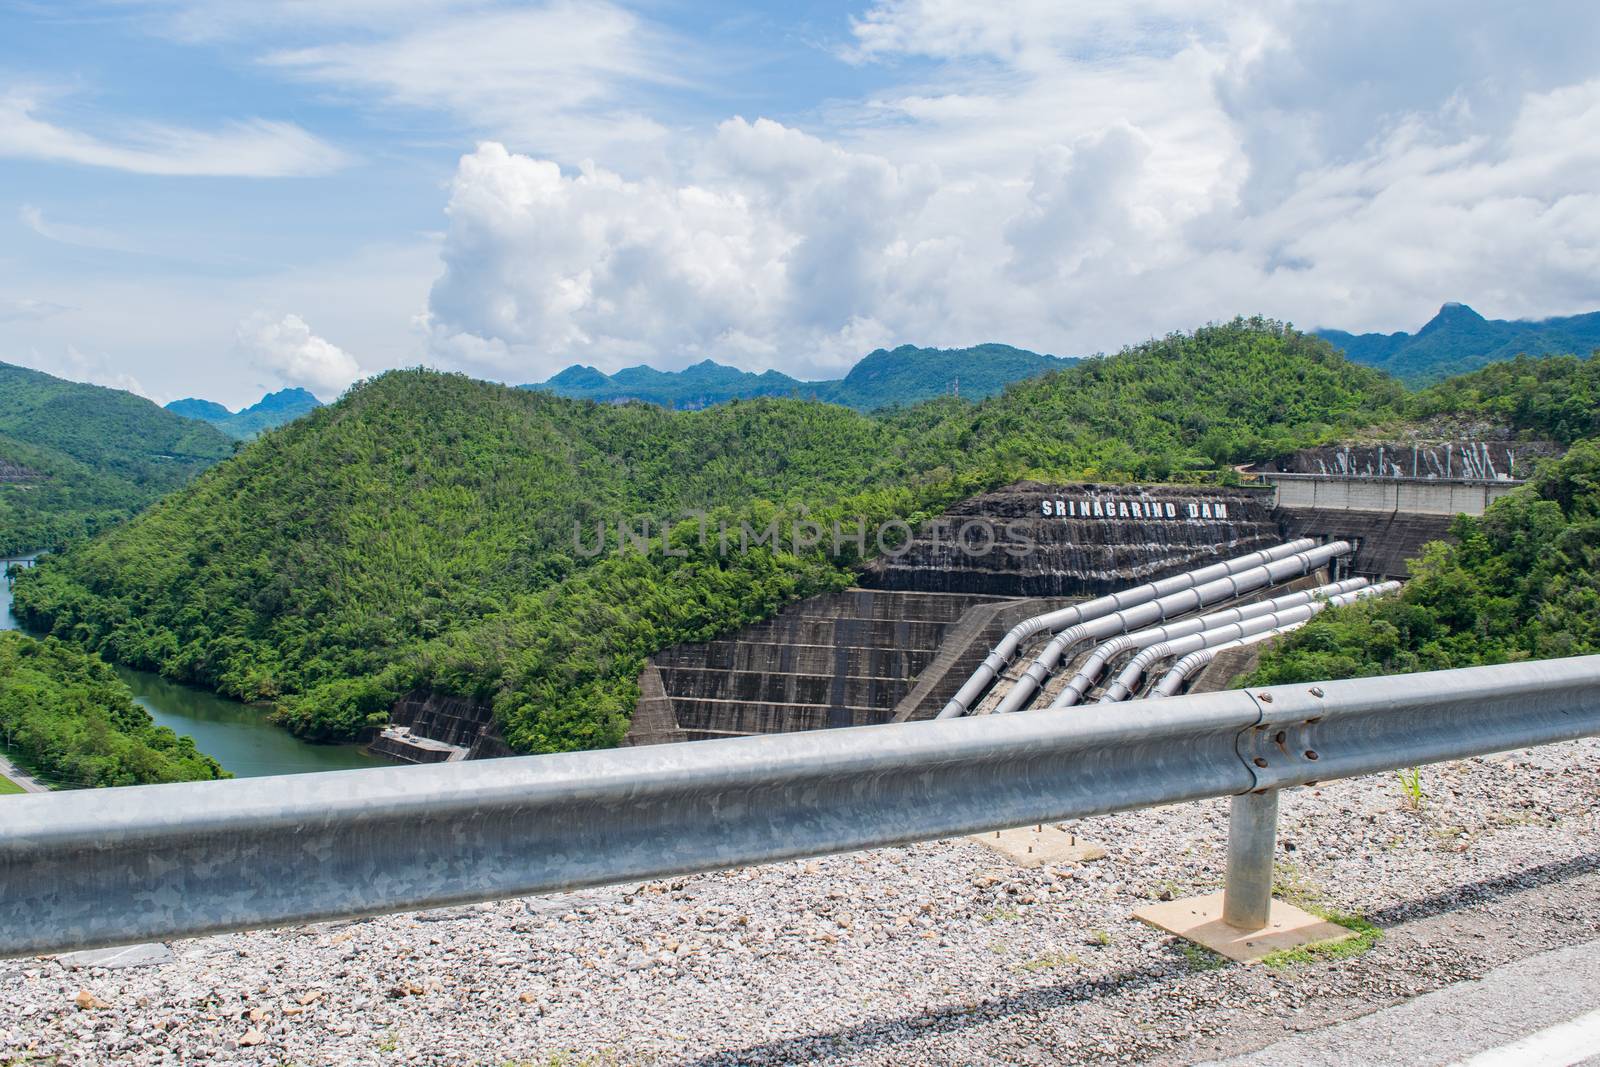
<point x="1541" y="1011"/>
<point x="28" y="783"/>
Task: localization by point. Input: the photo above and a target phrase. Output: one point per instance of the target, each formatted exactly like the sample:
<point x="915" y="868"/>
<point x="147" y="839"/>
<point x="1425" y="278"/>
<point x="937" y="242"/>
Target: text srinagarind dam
<point x="1095" y="508"/>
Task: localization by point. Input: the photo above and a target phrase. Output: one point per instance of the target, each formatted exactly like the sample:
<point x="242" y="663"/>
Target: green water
<point x="236" y="735"/>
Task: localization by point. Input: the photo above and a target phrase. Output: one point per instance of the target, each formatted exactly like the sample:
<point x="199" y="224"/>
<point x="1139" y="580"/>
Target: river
<point x="236" y="735"/>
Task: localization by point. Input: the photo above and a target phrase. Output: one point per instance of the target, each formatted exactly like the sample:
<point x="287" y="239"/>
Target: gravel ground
<point x="937" y="953"/>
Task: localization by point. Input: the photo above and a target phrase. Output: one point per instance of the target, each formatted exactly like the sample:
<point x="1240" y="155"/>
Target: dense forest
<point x="883" y="378"/>
<point x="1556" y="398"/>
<point x="84" y="458"/>
<point x="421" y="531"/>
<point x="1458" y="340"/>
<point x="1521" y="582"/>
<point x="69" y="717"/>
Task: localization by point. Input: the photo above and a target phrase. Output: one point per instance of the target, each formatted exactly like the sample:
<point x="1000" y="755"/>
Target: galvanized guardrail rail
<point x="121" y="866"/>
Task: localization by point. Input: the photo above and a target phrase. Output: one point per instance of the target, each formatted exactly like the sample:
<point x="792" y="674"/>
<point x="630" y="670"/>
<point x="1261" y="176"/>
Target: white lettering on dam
<point x="1096" y="508"/>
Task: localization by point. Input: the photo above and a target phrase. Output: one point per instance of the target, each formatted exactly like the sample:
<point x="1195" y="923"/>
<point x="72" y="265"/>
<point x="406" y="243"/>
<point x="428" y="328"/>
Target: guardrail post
<point x="1243" y="922"/>
<point x="1252" y="842"/>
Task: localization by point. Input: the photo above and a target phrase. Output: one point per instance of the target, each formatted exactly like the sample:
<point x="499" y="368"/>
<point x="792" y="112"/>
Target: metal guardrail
<point x="121" y="866"/>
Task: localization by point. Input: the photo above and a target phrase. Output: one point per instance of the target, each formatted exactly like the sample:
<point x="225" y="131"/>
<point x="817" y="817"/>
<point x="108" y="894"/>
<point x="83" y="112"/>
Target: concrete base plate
<point x="1199" y="919"/>
<point x="1034" y="846"/>
<point x="115" y="958"/>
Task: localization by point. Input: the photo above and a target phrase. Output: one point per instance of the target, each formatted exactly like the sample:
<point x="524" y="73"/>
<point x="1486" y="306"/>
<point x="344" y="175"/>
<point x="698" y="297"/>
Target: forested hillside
<point x="1556" y="398"/>
<point x="94" y="457"/>
<point x="1458" y="340"/>
<point x="420" y="532"/>
<point x="72" y="719"/>
<point x="884" y="378"/>
<point x="1521" y="582"/>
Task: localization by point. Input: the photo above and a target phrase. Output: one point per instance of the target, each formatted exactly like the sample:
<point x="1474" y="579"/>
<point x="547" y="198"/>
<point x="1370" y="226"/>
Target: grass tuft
<point x="1411" y="787"/>
<point x="1367" y="937"/>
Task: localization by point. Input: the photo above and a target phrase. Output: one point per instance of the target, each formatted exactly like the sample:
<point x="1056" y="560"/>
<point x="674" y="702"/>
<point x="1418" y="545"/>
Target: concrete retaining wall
<point x="1384" y="541"/>
<point x="843" y="659"/>
<point x="1406" y="496"/>
<point x="453" y="720"/>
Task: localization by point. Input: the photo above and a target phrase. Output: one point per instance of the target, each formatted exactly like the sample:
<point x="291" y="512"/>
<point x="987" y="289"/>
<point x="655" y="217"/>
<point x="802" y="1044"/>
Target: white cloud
<point x="788" y="246"/>
<point x="1028" y="33"/>
<point x="28" y="309"/>
<point x="177" y="328"/>
<point x="97" y="368"/>
<point x="71" y="233"/>
<point x="251" y="148"/>
<point x="553" y="75"/>
<point x="1065" y="178"/>
<point x="287" y="348"/>
<point x="1326" y="84"/>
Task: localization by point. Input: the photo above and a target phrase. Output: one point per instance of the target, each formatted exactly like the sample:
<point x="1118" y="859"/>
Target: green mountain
<point x="1458" y="340"/>
<point x="884" y="378"/>
<point x="428" y="530"/>
<point x="908" y="375"/>
<point x="268" y="413"/>
<point x="204" y="410"/>
<point x="82" y="458"/>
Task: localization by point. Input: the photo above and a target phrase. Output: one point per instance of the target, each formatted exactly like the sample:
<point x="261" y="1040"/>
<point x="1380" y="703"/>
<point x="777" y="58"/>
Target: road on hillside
<point x="26" y="781"/>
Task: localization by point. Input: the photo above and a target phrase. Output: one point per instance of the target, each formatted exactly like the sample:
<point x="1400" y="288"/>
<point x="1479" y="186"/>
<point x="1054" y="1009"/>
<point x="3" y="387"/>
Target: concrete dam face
<point x="1033" y="539"/>
<point x="925" y="615"/>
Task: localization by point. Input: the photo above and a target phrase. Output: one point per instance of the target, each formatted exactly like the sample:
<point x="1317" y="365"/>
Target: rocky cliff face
<point x="1033" y="539"/>
<point x="17" y="474"/>
<point x="1448" y="460"/>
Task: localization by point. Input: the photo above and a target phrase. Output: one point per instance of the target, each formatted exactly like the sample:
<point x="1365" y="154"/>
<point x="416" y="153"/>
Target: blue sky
<point x="219" y="199"/>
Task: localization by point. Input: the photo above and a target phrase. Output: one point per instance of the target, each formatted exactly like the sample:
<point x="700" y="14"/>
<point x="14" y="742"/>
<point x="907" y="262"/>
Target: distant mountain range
<point x="883" y="378"/>
<point x="270" y="411"/>
<point x="1458" y="340"/>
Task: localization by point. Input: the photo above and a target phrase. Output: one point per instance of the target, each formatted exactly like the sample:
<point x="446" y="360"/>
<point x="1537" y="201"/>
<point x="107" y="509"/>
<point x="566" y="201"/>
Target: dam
<point x="1391" y="499"/>
<point x="920" y="619"/>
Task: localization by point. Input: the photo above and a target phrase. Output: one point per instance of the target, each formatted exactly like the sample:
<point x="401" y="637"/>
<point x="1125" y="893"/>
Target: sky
<point x="219" y="199"/>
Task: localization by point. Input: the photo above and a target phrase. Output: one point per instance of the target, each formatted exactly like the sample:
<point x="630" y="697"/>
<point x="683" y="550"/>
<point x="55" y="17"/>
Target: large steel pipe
<point x="1003" y="652"/>
<point x="1194" y="662"/>
<point x="1221" y="589"/>
<point x="1128" y="679"/>
<point x="1089" y="671"/>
